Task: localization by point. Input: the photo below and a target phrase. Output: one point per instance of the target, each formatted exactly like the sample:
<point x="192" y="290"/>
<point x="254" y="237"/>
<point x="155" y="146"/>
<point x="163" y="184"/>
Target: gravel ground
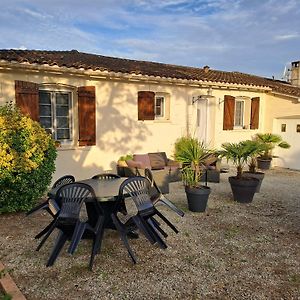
<point x="232" y="251"/>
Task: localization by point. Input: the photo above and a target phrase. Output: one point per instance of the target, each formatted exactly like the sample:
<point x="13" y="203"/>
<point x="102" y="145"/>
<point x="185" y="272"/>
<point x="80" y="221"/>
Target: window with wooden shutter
<point x="146" y="105"/>
<point x="228" y="118"/>
<point x="27" y="98"/>
<point x="254" y="122"/>
<point x="87" y="115"/>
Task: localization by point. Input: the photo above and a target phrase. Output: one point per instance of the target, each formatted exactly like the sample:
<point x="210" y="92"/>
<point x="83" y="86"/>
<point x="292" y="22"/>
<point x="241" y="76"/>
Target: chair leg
<point x="171" y="205"/>
<point x="43" y="205"/>
<point x="167" y="221"/>
<point x="97" y="240"/>
<point x="60" y="241"/>
<point x="142" y="227"/>
<point x="152" y="222"/>
<point x="46" y="236"/>
<point x="76" y="237"/>
<point x="45" y="230"/>
<point x="157" y="237"/>
<point x="123" y="236"/>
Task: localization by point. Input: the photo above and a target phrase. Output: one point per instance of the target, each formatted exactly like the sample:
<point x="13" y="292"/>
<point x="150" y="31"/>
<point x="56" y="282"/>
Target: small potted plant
<point x="243" y="188"/>
<point x="121" y="164"/>
<point x="270" y="141"/>
<point x="255" y="149"/>
<point x="192" y="154"/>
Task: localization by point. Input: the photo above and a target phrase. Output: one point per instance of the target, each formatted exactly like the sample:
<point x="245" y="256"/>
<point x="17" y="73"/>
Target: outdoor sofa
<point x="164" y="170"/>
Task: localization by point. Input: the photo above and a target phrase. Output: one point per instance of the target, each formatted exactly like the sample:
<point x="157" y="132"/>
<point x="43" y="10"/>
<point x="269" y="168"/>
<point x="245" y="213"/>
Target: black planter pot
<point x="197" y="198"/>
<point x="243" y="189"/>
<point x="259" y="175"/>
<point x="264" y="163"/>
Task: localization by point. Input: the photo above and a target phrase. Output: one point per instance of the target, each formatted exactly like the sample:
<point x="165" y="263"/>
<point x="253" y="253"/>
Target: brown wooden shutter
<point x="146" y="105"/>
<point x="27" y="98"/>
<point x="87" y="115"/>
<point x="254" y="122"/>
<point x="228" y="119"/>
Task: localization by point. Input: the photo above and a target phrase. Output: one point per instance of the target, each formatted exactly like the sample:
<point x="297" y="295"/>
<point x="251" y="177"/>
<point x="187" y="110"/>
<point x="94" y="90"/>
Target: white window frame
<point x="53" y="92"/>
<point x="163" y="107"/>
<point x="239" y="126"/>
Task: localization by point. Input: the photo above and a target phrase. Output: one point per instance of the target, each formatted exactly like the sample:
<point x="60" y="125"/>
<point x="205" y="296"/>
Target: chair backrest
<point x="71" y="197"/>
<point x="63" y="181"/>
<point x="106" y="176"/>
<point x="154" y="187"/>
<point x="138" y="189"/>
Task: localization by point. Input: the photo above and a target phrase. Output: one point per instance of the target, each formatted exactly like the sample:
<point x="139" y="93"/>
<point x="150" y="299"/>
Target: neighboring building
<point x="102" y="107"/>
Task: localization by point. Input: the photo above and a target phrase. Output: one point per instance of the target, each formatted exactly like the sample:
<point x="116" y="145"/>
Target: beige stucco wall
<point x="118" y="130"/>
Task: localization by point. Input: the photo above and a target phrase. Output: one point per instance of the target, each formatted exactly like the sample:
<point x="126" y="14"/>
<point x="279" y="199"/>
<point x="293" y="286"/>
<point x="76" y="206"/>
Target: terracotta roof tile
<point x="95" y="62"/>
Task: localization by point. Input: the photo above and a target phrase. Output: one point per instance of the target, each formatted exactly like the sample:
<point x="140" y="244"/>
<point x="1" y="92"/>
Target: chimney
<point x="206" y="69"/>
<point x="295" y="73"/>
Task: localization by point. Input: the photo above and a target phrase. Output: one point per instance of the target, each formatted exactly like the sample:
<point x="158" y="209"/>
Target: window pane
<point x="62" y="111"/>
<point x="62" y="122"/>
<point x="45" y="110"/>
<point x="46" y="122"/>
<point x="159" y="106"/>
<point x="239" y="110"/>
<point x="63" y="134"/>
<point x="44" y="97"/>
<point x="62" y="99"/>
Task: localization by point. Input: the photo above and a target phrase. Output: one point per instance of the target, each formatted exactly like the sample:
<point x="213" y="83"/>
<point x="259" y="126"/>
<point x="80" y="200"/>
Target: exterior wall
<point x="295" y="73"/>
<point x="118" y="130"/>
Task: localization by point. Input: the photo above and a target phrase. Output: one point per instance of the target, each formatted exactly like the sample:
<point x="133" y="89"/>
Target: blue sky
<point x="252" y="36"/>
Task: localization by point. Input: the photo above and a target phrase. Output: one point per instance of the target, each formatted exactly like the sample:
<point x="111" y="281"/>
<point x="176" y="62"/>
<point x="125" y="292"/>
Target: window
<point x="159" y="107"/>
<point x="283" y="127"/>
<point x="55" y="113"/>
<point x="239" y="113"/>
<point x="153" y="106"/>
<point x="298" y="128"/>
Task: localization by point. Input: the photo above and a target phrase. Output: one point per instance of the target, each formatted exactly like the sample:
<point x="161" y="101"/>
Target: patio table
<point x="106" y="192"/>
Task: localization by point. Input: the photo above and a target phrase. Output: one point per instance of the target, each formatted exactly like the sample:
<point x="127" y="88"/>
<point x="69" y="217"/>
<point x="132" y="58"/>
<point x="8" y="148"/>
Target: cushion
<point x="157" y="160"/>
<point x="144" y="159"/>
<point x="134" y="164"/>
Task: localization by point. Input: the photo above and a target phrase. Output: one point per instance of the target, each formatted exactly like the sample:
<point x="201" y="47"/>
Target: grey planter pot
<point x="197" y="198"/>
<point x="243" y="189"/>
<point x="258" y="175"/>
<point x="264" y="163"/>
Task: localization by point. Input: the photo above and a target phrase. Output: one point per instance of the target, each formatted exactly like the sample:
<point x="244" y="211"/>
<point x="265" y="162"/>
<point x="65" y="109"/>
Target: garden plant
<point x="27" y="162"/>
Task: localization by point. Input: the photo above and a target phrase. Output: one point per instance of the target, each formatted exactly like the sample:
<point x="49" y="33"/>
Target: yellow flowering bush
<point x="27" y="160"/>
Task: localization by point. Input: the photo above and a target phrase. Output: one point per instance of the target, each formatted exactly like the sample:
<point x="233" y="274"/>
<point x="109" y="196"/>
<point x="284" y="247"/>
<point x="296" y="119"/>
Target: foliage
<point x="27" y="162"/>
<point x="270" y="141"/>
<point x="238" y="153"/>
<point x="255" y="149"/>
<point x="192" y="154"/>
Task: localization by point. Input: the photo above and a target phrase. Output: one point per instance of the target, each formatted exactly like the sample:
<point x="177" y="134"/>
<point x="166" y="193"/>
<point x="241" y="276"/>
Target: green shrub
<point x="27" y="161"/>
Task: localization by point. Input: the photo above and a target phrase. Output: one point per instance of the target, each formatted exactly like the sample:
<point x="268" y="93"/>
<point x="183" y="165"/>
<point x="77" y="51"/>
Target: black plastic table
<point x="106" y="192"/>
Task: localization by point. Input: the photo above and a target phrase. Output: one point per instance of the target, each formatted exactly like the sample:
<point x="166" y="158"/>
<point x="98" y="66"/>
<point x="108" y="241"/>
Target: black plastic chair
<point x="137" y="188"/>
<point x="106" y="176"/>
<point x="157" y="196"/>
<point x="72" y="197"/>
<point x="50" y="206"/>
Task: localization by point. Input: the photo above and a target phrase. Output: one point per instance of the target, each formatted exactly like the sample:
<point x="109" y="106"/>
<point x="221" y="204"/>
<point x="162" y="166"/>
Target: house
<point x="101" y="107"/>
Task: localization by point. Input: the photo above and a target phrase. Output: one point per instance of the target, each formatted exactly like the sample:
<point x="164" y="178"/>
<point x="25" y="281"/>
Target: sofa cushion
<point x="143" y="159"/>
<point x="157" y="160"/>
<point x="134" y="164"/>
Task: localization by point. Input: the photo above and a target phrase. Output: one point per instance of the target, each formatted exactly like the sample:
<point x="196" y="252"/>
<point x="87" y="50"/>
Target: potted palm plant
<point x="192" y="154"/>
<point x="270" y="141"/>
<point x="255" y="149"/>
<point x="243" y="188"/>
